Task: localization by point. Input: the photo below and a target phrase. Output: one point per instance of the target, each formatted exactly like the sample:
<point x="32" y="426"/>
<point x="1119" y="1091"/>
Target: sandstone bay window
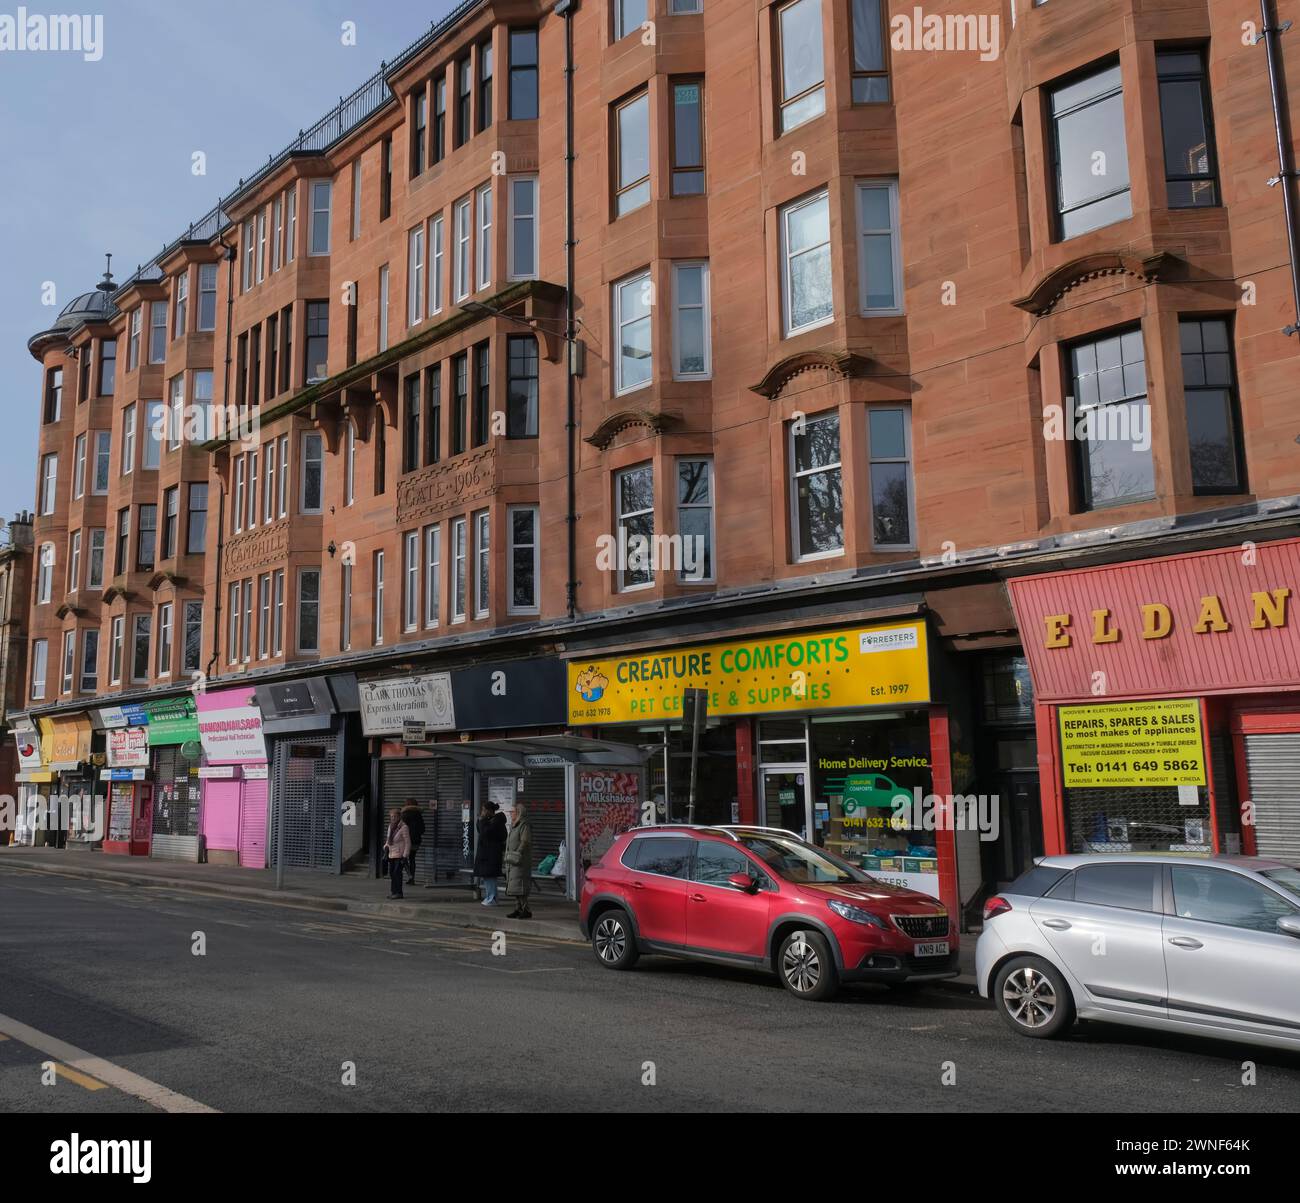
<point x="157" y="331"/>
<point x="282" y="487"/>
<point x="1111" y="419"/>
<point x="192" y="636"/>
<point x="273" y="347"/>
<point x="464" y="89"/>
<point x="415" y="276"/>
<point x="115" y="650"/>
<point x="232" y="624"/>
<point x="1191" y="170"/>
<point x="166" y="618"/>
<point x="107" y="366"/>
<point x="411" y="580"/>
<point x="419" y="130"/>
<point x="632" y="134"/>
<point x="692" y="351"/>
<point x="45" y="574"/>
<point x="69" y="659"/>
<point x="87" y="360"/>
<point x="241" y="371"/>
<point x="316" y="360"/>
<point x="356" y="197"/>
<point x="312" y="491"/>
<point x="277" y="634"/>
<point x="171" y="521"/>
<point x="74" y="561"/>
<point x="632" y="325"/>
<point x="525" y="562"/>
<point x="411" y="424"/>
<point x="523" y="75"/>
<point x="459" y="401"/>
<point x="264" y="616"/>
<point x="103" y="462"/>
<point x="634" y="502"/>
<point x="255" y="365"/>
<point x="237" y="509"/>
<point x="79" y="467"/>
<point x="95" y="559"/>
<point x="154" y="420"/>
<point x="436" y="264"/>
<point x="629" y="17"/>
<point x="889" y="435"/>
<point x="483" y="563"/>
<point x="121" y="555"/>
<point x="133" y="342"/>
<point x="522" y="230"/>
<point x="49" y="483"/>
<point x="484" y="85"/>
<point x="482" y="393"/>
<point x="309" y="610"/>
<point x="89" y="661"/>
<point x="207" y="314"/>
<point x="128" y="440"/>
<point x="291" y="224"/>
<point x="54" y="390"/>
<point x="688" y="137"/>
<point x="1210" y="395"/>
<point x="182" y="303"/>
<point x="807" y="297"/>
<point x="345" y="606"/>
<point x="816" y="488"/>
<point x="277" y="247"/>
<point x="870" y="63"/>
<point x="679" y="8"/>
<point x="1090" y="153"/>
<point x="202" y="425"/>
<point x="197" y="531"/>
<point x="383" y="308"/>
<point x="459" y="568"/>
<point x="433" y="414"/>
<point x="377" y="584"/>
<point x="40" y="660"/>
<point x="461" y="218"/>
<point x="521" y="386"/>
<point x="141" y="637"/>
<point x="176" y="411"/>
<point x="246" y="622"/>
<point x="484" y="204"/>
<point x="146" y="541"/>
<point x="322" y="199"/>
<point x="695" y="520"/>
<point x="250" y="255"/>
<point x="381" y="457"/>
<point x="880" y="271"/>
<point x="432" y="574"/>
<point x="350" y="463"/>
<point x="802" y="69"/>
<point x="261" y="244"/>
<point x="440" y="118"/>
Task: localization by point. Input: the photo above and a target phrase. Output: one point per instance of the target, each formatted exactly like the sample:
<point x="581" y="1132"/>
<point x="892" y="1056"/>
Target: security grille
<point x="1137" y="819"/>
<point x="306" y="786"/>
<point x="438" y="785"/>
<point x="922" y="927"/>
<point x="1273" y="766"/>
<point x="175" y="806"/>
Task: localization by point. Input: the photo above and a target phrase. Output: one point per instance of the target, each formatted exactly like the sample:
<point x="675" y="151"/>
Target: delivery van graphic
<point x="591" y="684"/>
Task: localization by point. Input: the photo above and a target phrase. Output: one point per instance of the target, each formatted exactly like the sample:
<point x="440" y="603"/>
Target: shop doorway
<point x="785" y="799"/>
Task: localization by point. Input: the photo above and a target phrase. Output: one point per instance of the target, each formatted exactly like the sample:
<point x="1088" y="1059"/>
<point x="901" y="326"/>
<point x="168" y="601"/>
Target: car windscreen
<point x="798" y="862"/>
<point x="1287" y="876"/>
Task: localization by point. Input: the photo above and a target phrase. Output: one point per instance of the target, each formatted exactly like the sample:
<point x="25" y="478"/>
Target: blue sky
<point x="97" y="156"/>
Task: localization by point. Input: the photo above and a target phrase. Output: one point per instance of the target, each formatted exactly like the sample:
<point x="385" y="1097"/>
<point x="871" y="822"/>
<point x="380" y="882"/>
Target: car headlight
<point x="854" y="914"/>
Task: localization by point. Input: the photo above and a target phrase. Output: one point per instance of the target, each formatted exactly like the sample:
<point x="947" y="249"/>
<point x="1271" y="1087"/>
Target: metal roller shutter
<point x="1273" y="765"/>
<point x="252" y="825"/>
<point x="543" y="794"/>
<point x="306" y="783"/>
<point x="438" y="785"/>
<point x="175" y="807"/>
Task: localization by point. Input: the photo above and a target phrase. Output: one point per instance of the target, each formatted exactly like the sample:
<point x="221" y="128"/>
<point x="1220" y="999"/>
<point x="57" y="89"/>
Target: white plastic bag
<point x="561" y="866"/>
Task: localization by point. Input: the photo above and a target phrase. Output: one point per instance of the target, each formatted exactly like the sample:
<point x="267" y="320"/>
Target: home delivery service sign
<point x="817" y="670"/>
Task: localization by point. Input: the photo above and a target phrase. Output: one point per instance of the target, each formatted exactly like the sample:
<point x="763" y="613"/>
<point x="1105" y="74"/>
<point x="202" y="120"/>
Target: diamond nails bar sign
<point x="388" y="705"/>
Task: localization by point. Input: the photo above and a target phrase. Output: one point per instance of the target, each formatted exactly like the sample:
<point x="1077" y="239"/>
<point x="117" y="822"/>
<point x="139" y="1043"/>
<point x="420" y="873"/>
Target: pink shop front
<point x="234" y="777"/>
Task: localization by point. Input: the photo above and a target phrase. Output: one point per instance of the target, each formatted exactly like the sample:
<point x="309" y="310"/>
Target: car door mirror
<point x="743" y="881"/>
<point x="1289" y="925"/>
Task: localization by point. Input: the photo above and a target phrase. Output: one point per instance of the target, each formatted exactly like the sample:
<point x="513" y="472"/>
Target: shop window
<point x="1090" y="153"/>
<point x="816" y="490"/>
<point x="1112" y="420"/>
<point x="1008" y="691"/>
<point x="803" y="74"/>
<point x="870" y="55"/>
<point x="1210" y="395"/>
<point x="1191" y="172"/>
<point x="889" y="434"/>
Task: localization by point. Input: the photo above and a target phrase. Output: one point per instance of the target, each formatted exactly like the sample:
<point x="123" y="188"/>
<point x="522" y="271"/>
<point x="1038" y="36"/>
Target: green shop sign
<point x="172" y="722"/>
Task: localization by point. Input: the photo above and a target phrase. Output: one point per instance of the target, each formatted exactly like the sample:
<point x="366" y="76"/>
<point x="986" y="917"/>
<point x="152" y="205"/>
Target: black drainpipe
<point x="231" y="256"/>
<point x="1286" y="173"/>
<point x="566" y="9"/>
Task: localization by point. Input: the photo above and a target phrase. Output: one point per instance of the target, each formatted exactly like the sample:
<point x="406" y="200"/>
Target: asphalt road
<point x="432" y="1020"/>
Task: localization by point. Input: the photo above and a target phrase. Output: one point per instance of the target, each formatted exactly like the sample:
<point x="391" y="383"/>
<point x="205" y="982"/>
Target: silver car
<point x="1207" y="946"/>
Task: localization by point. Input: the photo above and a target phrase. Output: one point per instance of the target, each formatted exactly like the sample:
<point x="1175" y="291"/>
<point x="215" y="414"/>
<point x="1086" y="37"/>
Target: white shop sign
<point x="388" y="705"/>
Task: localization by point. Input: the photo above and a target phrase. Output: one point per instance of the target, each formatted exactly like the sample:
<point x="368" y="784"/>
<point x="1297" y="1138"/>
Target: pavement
<point x="355" y="893"/>
<point x="116" y="998"/>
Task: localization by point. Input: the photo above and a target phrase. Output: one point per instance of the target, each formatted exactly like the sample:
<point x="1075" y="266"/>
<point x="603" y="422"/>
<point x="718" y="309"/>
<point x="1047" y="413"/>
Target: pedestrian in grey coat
<point x="519" y="863"/>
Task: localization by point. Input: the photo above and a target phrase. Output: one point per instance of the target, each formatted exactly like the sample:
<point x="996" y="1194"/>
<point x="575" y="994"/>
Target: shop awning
<point x="489" y="754"/>
<point x="67" y="739"/>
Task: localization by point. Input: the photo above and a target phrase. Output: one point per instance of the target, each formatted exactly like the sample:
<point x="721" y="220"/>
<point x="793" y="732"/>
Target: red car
<point x="764" y="899"/>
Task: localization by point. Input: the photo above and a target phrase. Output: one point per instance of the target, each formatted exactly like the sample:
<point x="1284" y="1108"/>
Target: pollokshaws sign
<point x="387" y="705"/>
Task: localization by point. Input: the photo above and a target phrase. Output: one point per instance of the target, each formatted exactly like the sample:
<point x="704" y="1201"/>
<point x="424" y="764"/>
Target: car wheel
<point x="1031" y="995"/>
<point x="613" y="940"/>
<point x="807" y="967"/>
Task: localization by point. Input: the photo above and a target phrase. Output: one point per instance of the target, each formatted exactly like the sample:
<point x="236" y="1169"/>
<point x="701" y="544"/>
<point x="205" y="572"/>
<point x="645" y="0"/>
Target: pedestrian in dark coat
<point x="414" y="821"/>
<point x="491" y="850"/>
<point x="519" y="863"/>
<point x="397" y="847"/>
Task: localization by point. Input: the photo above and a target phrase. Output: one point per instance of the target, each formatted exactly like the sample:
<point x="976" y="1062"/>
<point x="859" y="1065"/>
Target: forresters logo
<point x="131" y="1158"/>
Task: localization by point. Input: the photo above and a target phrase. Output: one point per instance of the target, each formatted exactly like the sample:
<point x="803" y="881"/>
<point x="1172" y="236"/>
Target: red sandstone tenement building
<point x="807" y="320"/>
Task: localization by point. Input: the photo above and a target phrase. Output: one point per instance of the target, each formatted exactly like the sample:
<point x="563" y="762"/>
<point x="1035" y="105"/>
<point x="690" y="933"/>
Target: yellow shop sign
<point x="821" y="670"/>
<point x="1133" y="744"/>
